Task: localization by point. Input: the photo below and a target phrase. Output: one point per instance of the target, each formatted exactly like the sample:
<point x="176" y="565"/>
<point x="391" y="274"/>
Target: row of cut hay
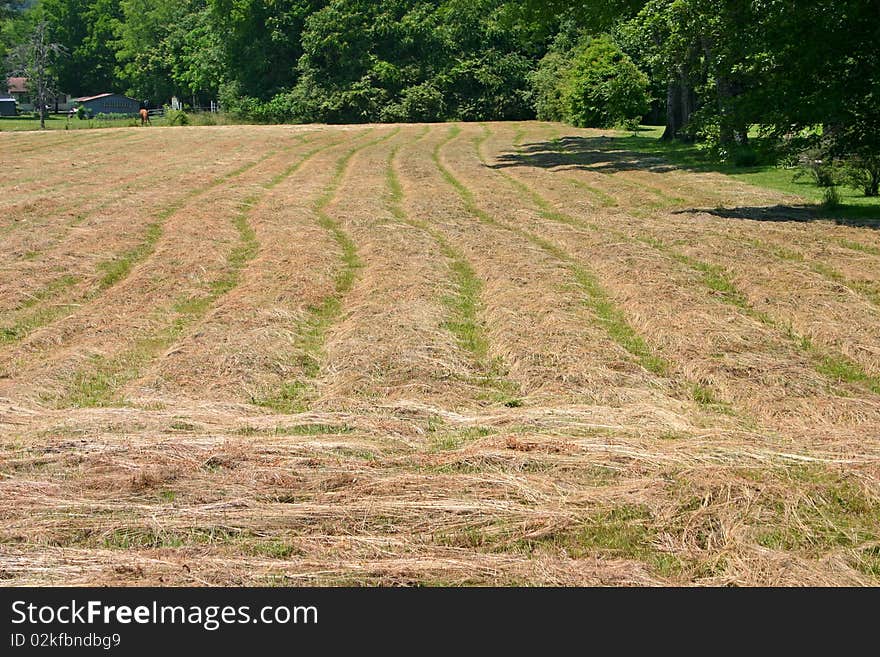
<point x="715" y="344"/>
<point x="69" y="157"/>
<point x="537" y="323"/>
<point x="391" y="341"/>
<point x="125" y="324"/>
<point x="75" y="242"/>
<point x="244" y="348"/>
<point x="571" y="339"/>
<point x="789" y="293"/>
<point x="79" y="179"/>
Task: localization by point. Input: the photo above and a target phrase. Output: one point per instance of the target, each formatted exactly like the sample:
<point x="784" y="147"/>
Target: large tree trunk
<point x="673" y="110"/>
<point x="680" y="104"/>
<point x="726" y="135"/>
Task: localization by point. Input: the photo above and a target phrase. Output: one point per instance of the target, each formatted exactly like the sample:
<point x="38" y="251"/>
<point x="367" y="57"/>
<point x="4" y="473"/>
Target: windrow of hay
<point x="47" y="248"/>
<point x="847" y="329"/>
<point x="242" y="349"/>
<point x="85" y="357"/>
<point x="429" y="355"/>
<point x="682" y="300"/>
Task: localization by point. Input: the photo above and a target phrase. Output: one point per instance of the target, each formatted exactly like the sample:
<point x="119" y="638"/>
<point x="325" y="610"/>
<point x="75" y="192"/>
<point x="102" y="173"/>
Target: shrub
<point x="203" y="118"/>
<point x="863" y="173"/>
<point x="591" y="84"/>
<point x="818" y="164"/>
<point x="547" y="84"/>
<point x="604" y="87"/>
<point x="830" y="198"/>
<point x="420" y="103"/>
<point x="176" y="117"/>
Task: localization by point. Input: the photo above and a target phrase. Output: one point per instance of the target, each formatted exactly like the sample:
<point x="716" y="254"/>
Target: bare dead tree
<point x="33" y="60"/>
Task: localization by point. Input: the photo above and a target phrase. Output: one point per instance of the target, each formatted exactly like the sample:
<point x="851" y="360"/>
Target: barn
<point x="7" y="106"/>
<point x="109" y="104"/>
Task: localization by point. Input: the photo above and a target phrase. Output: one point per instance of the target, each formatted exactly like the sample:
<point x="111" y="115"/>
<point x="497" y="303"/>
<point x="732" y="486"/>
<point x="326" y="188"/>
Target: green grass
<point x="858" y="246"/>
<point x="452" y="439"/>
<point x="60" y="122"/>
<point x="840" y="369"/>
<point x="623" y="532"/>
<point x="832" y="512"/>
<point x="38" y="313"/>
<point x="298" y="430"/>
<point x="25" y="122"/>
<point x="119" y="267"/>
<point x="465" y="306"/>
<point x="707" y="398"/>
<point x="243" y="541"/>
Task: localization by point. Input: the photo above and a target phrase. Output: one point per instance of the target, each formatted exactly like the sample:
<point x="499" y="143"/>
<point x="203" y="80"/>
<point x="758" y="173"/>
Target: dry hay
<point x="427" y="355"/>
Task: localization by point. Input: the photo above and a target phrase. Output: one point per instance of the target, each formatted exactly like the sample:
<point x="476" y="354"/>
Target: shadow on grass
<point x="600" y="154"/>
<point x="857" y="216"/>
<point x="609" y="155"/>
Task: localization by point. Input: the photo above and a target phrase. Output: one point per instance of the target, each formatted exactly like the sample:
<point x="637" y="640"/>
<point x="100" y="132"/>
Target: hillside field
<point x="447" y="354"/>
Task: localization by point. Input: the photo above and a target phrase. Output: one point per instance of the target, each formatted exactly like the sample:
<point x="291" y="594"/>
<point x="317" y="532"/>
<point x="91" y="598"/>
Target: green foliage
<point x="423" y="102"/>
<point x="167" y="48"/>
<point x="547" y="90"/>
<point x="257" y="42"/>
<point x="410" y="61"/>
<point x="84" y="28"/>
<point x="593" y="84"/>
<point x="863" y="172"/>
<point x="605" y="88"/>
<point x="176" y="117"/>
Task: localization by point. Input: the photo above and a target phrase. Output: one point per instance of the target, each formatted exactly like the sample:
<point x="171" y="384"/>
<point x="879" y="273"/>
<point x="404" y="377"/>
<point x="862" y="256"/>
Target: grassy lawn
<point x="855" y="206"/>
<point x="60" y="122"/>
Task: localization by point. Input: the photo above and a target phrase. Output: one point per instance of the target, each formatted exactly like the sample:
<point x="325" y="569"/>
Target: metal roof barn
<point x="110" y="104"/>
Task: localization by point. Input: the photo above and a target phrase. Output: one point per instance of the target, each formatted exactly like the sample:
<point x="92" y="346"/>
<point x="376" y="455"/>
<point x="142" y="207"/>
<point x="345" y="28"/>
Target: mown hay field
<point x="502" y="353"/>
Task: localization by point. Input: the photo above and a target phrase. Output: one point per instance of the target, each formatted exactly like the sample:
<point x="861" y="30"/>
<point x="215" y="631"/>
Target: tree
<point x="15" y="27"/>
<point x="261" y="41"/>
<point x="817" y="69"/>
<point x="34" y="60"/>
<point x="86" y="30"/>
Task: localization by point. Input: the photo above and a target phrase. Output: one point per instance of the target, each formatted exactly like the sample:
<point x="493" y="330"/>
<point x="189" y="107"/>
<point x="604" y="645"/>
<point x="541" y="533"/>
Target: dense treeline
<point x="806" y="72"/>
